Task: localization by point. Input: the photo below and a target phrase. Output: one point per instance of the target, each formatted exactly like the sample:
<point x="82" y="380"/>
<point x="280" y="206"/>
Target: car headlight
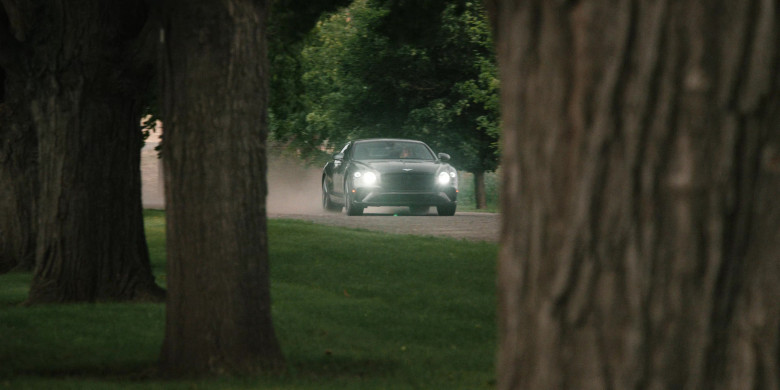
<point x="364" y="178"/>
<point x="443" y="178"/>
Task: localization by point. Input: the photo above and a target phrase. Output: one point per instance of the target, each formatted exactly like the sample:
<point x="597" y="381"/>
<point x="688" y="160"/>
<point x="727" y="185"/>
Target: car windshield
<point x="391" y="150"/>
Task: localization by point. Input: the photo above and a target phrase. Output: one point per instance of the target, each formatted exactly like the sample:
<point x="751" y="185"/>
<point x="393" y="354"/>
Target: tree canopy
<point x="291" y="21"/>
<point x="420" y="70"/>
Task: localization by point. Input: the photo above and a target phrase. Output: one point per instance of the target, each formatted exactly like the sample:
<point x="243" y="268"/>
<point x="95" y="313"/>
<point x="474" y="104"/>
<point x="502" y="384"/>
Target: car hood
<point x="392" y="166"/>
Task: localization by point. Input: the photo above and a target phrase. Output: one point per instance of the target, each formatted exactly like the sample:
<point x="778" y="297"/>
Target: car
<point x="389" y="172"/>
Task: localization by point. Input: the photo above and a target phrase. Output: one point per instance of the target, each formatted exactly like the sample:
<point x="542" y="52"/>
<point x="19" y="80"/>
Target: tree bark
<point x="216" y="97"/>
<point x="18" y="151"/>
<point x="18" y="173"/>
<point x="83" y="98"/>
<point x="641" y="155"/>
<point x="18" y="159"/>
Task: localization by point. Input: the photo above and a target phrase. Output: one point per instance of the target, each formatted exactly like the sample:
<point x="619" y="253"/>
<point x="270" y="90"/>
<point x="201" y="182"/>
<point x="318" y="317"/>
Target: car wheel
<point x="447" y="210"/>
<point x="352" y="209"/>
<point x="419" y="210"/>
<point x="327" y="202"/>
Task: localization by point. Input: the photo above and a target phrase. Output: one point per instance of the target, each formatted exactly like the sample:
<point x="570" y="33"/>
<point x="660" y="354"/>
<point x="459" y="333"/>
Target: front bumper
<point x="381" y="197"/>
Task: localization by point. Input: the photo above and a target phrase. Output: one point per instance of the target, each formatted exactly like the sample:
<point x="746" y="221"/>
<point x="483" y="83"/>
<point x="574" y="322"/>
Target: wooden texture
<point x="77" y="96"/>
<point x="216" y="96"/>
<point x="640" y="239"/>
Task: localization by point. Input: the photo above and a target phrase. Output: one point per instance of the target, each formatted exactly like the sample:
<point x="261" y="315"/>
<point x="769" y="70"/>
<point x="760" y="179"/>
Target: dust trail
<point x="293" y="187"/>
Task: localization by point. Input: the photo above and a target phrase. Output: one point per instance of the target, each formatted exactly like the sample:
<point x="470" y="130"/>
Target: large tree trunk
<point x="18" y="175"/>
<point x="641" y="161"/>
<point x="91" y="242"/>
<point x="216" y="88"/>
<point x="84" y="103"/>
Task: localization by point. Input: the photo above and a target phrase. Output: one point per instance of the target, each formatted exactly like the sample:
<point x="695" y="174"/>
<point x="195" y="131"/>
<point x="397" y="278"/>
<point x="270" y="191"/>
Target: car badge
<point x="406" y="169"/>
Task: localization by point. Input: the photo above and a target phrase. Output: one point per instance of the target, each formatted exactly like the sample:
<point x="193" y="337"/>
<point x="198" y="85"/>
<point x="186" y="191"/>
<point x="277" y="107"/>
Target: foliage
<point x="420" y="70"/>
<point x="289" y="23"/>
<point x="353" y="310"/>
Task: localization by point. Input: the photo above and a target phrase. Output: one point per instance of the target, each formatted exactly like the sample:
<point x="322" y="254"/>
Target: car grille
<point x="408" y="182"/>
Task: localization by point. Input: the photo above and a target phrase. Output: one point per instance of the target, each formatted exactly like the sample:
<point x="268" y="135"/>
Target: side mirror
<point x="338" y="158"/>
<point x="444" y="157"/>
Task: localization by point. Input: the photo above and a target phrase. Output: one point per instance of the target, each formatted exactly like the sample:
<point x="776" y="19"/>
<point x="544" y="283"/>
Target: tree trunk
<point x="480" y="199"/>
<point x="641" y="159"/>
<point x="18" y="173"/>
<point x="84" y="104"/>
<point x="216" y="95"/>
<point x="91" y="242"/>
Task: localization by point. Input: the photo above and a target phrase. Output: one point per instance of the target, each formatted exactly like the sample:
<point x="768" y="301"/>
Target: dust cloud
<point x="293" y="187"/>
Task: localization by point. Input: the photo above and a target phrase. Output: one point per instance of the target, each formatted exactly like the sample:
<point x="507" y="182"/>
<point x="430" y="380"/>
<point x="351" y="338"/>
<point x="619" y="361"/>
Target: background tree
<point x="215" y="93"/>
<point x="407" y="69"/>
<point x="76" y="75"/>
<point x="290" y="23"/>
<point x="439" y="68"/>
<point x="640" y="232"/>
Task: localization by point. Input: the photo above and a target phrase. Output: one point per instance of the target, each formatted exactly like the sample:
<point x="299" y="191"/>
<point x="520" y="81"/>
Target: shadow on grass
<point x="327" y="367"/>
<point x="331" y="366"/>
<point x="125" y="373"/>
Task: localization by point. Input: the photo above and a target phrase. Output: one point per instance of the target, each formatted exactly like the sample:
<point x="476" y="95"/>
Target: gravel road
<point x="294" y="193"/>
<point x="463" y="225"/>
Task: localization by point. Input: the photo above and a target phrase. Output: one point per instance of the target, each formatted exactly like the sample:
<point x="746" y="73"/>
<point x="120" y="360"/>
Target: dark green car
<point x="389" y="172"/>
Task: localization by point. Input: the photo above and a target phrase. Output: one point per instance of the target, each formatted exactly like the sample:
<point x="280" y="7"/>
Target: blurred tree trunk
<point x="215" y="113"/>
<point x="83" y="97"/>
<point x="641" y="166"/>
<point x="480" y="199"/>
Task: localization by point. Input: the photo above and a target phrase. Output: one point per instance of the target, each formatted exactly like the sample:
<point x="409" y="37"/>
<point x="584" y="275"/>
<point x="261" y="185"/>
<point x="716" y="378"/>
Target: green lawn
<point x="352" y="309"/>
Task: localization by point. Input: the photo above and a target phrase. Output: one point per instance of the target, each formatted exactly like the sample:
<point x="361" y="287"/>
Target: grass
<point x="352" y="310"/>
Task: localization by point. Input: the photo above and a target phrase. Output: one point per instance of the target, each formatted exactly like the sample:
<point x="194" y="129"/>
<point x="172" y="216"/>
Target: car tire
<point x="327" y="202"/>
<point x="419" y="210"/>
<point x="352" y="209"/>
<point x="447" y="210"/>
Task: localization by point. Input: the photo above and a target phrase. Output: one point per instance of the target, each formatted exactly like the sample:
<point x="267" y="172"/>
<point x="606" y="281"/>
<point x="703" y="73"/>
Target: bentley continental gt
<point x="389" y="172"/>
